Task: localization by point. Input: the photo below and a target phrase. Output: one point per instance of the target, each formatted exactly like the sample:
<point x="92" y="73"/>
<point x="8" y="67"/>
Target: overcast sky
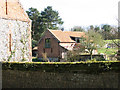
<point x="79" y="12"/>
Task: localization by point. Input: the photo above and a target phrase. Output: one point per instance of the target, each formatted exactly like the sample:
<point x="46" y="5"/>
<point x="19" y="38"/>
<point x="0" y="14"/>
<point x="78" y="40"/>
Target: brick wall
<point x="53" y="51"/>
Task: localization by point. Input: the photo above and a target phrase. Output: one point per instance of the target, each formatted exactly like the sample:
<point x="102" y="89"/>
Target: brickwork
<point x="53" y="51"/>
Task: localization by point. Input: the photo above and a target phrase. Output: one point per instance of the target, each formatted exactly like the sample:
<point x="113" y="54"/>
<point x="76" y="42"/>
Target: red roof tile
<point x="14" y="10"/>
<point x="64" y="36"/>
<point x="61" y="36"/>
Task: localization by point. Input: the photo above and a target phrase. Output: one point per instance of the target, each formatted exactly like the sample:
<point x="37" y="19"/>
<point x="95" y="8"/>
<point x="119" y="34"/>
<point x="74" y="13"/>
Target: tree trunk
<point x="91" y="54"/>
<point x="118" y="55"/>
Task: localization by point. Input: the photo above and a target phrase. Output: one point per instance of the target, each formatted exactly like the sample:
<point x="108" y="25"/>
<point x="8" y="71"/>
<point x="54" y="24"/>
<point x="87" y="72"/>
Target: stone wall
<point x="61" y="75"/>
<point x="20" y="40"/>
<point x="38" y="79"/>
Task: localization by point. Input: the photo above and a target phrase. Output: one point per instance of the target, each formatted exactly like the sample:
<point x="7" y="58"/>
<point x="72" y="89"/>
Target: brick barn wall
<point x="53" y="51"/>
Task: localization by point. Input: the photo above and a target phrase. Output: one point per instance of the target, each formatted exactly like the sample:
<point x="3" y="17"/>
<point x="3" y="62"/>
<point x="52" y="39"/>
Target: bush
<point x="85" y="58"/>
<point x="37" y="60"/>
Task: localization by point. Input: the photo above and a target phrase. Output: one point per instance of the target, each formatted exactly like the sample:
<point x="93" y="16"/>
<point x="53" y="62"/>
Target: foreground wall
<point x="20" y="40"/>
<point x="79" y="75"/>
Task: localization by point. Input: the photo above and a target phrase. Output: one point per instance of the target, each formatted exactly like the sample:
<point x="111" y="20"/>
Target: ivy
<point x="105" y="66"/>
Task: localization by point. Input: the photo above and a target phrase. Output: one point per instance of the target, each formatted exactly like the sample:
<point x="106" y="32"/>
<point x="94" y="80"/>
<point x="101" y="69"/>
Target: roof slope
<point x="64" y="36"/>
<point x="14" y="10"/>
<point x="74" y="34"/>
<point x="61" y="36"/>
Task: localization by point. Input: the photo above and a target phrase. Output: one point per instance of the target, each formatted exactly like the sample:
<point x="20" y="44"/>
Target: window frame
<point x="47" y="43"/>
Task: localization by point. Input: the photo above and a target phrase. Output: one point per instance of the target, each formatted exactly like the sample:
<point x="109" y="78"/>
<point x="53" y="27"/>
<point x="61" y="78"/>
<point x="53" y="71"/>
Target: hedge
<point x="94" y="67"/>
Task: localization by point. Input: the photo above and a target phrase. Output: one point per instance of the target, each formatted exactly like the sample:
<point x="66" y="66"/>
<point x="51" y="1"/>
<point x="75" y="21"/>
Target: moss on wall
<point x="61" y="75"/>
<point x="84" y="67"/>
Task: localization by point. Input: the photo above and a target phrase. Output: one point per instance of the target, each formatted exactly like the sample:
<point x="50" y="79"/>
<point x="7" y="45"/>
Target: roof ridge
<point x="73" y="31"/>
<point x="24" y="10"/>
<point x="54" y="33"/>
<point x="15" y="11"/>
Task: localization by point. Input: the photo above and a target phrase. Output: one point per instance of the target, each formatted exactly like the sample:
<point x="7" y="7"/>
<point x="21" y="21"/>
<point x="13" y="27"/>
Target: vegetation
<point x="87" y="67"/>
<point x="47" y="19"/>
<point x="108" y="51"/>
<point x="78" y="28"/>
<point x="92" y="41"/>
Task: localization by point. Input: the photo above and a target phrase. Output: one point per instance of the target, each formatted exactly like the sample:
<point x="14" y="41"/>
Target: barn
<point x="55" y="43"/>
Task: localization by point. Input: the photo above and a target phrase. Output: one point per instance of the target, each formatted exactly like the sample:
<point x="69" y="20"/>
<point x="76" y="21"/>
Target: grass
<point x="110" y="41"/>
<point x="108" y="51"/>
<point x="62" y="62"/>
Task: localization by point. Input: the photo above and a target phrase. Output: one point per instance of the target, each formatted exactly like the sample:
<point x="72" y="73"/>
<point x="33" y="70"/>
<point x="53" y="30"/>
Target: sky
<point x="79" y="12"/>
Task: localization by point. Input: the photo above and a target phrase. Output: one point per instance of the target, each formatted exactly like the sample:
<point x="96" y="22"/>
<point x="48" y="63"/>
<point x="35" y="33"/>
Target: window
<point x="47" y="43"/>
<point x="44" y="50"/>
<point x="51" y="50"/>
<point x="10" y="42"/>
<point x="73" y="38"/>
<point x="78" y="40"/>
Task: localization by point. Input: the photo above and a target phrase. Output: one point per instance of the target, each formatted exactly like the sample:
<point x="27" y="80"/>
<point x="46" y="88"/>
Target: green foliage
<point x="48" y="18"/>
<point x="92" y="41"/>
<point x="72" y="56"/>
<point x="97" y="28"/>
<point x="12" y="53"/>
<point x="109" y="32"/>
<point x="34" y="15"/>
<point x="78" y="28"/>
<point x="34" y="43"/>
<point x="51" y="18"/>
<point x="107" y="51"/>
<point x="107" y="28"/>
<point x="91" y="27"/>
<point x="94" y="67"/>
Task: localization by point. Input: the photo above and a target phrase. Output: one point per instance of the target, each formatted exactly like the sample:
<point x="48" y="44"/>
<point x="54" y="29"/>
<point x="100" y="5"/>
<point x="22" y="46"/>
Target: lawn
<point x="108" y="51"/>
<point x="111" y="41"/>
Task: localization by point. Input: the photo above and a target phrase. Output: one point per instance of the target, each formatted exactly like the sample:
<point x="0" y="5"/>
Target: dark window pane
<point x="47" y="43"/>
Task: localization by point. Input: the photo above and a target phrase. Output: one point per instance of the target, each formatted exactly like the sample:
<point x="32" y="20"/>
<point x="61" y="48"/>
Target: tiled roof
<point x="64" y="36"/>
<point x="14" y="10"/>
<point x="61" y="36"/>
<point x="68" y="46"/>
<point x="74" y="34"/>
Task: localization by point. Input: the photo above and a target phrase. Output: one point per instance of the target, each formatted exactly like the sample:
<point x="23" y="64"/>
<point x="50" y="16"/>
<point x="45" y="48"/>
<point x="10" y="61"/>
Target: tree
<point x="42" y="21"/>
<point x="91" y="27"/>
<point x="106" y="30"/>
<point x="77" y="28"/>
<point x="97" y="28"/>
<point x="51" y="18"/>
<point x="92" y="41"/>
<point x="34" y="15"/>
